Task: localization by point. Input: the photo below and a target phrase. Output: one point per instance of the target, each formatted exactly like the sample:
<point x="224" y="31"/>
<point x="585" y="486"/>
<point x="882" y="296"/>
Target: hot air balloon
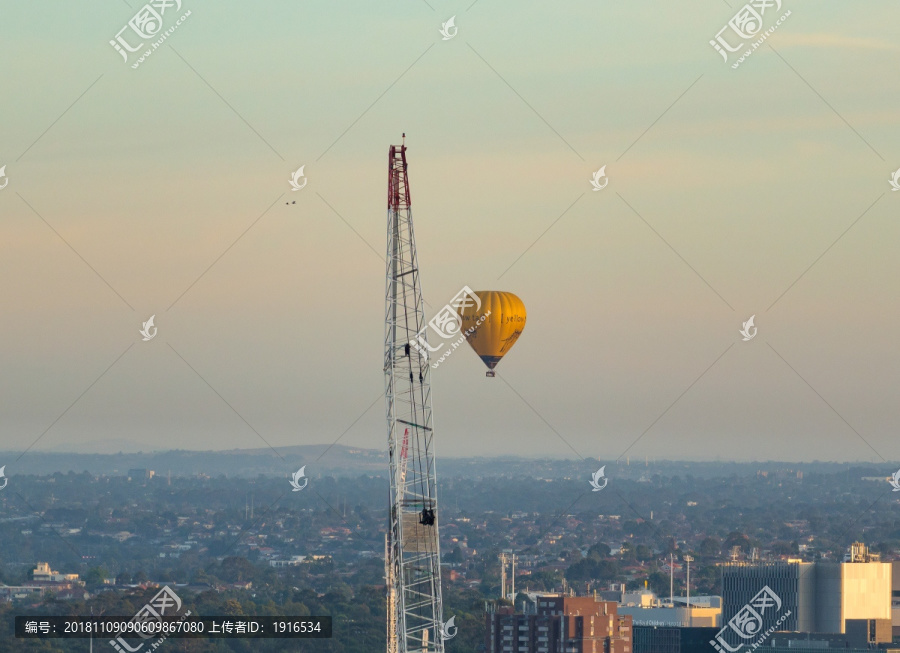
<point x="496" y="324"/>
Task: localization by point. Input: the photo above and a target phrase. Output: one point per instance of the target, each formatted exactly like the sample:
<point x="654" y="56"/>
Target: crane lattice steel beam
<point x="413" y="564"/>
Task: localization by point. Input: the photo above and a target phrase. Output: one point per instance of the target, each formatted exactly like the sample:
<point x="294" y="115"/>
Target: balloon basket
<point x="490" y="373"/>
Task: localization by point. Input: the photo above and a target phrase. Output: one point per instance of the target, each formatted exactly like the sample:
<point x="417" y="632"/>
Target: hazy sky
<point x="161" y="190"/>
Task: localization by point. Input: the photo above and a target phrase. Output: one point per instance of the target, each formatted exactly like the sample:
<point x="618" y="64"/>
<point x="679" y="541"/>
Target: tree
<point x="581" y="570"/>
<point x="235" y="569"/>
<point x="785" y="548"/>
<point x="95" y="577"/>
<point x="522" y="598"/>
<point x="737" y="539"/>
<point x="589" y="569"/>
<point x="608" y="570"/>
<point x="710" y="547"/>
<point x="455" y="556"/>
<point x="546" y="580"/>
<point x="644" y="552"/>
<point x="659" y="583"/>
<point x="573" y="555"/>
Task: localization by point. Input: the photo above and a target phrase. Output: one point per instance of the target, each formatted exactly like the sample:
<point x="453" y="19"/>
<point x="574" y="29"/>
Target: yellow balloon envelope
<point x="497" y="324"/>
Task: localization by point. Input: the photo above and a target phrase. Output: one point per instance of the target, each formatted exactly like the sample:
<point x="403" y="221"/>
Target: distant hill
<point x="340" y="460"/>
<point x="281" y="461"/>
<point x="110" y="446"/>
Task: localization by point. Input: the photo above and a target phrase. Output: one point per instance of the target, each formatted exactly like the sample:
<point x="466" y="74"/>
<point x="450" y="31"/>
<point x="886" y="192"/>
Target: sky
<point x="163" y="189"/>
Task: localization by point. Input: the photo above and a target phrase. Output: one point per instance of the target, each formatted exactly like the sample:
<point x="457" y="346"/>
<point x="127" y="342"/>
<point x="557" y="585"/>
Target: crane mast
<point x="412" y="557"/>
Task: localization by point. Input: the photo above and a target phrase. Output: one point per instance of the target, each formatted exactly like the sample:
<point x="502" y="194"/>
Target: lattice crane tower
<point x="412" y="556"/>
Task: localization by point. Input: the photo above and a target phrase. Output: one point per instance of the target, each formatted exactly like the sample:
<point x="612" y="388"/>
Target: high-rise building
<point x="559" y="624"/>
<point x="851" y="590"/>
<point x="798" y="596"/>
<point x="793" y="582"/>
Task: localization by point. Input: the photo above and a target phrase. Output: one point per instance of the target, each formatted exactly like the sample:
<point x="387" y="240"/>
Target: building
<point x="46" y="582"/>
<point x="783" y="649"/>
<point x="663" y="639"/>
<point x="793" y="582"/>
<point x="66" y="591"/>
<point x="820" y="597"/>
<point x="43" y="573"/>
<point x="21" y="592"/>
<point x="293" y="561"/>
<point x="895" y="599"/>
<point x="868" y="633"/>
<point x="679" y="616"/>
<point x="646" y="609"/>
<point x="851" y="590"/>
<point x="559" y="624"/>
<point x="861" y="634"/>
<point x="859" y="552"/>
